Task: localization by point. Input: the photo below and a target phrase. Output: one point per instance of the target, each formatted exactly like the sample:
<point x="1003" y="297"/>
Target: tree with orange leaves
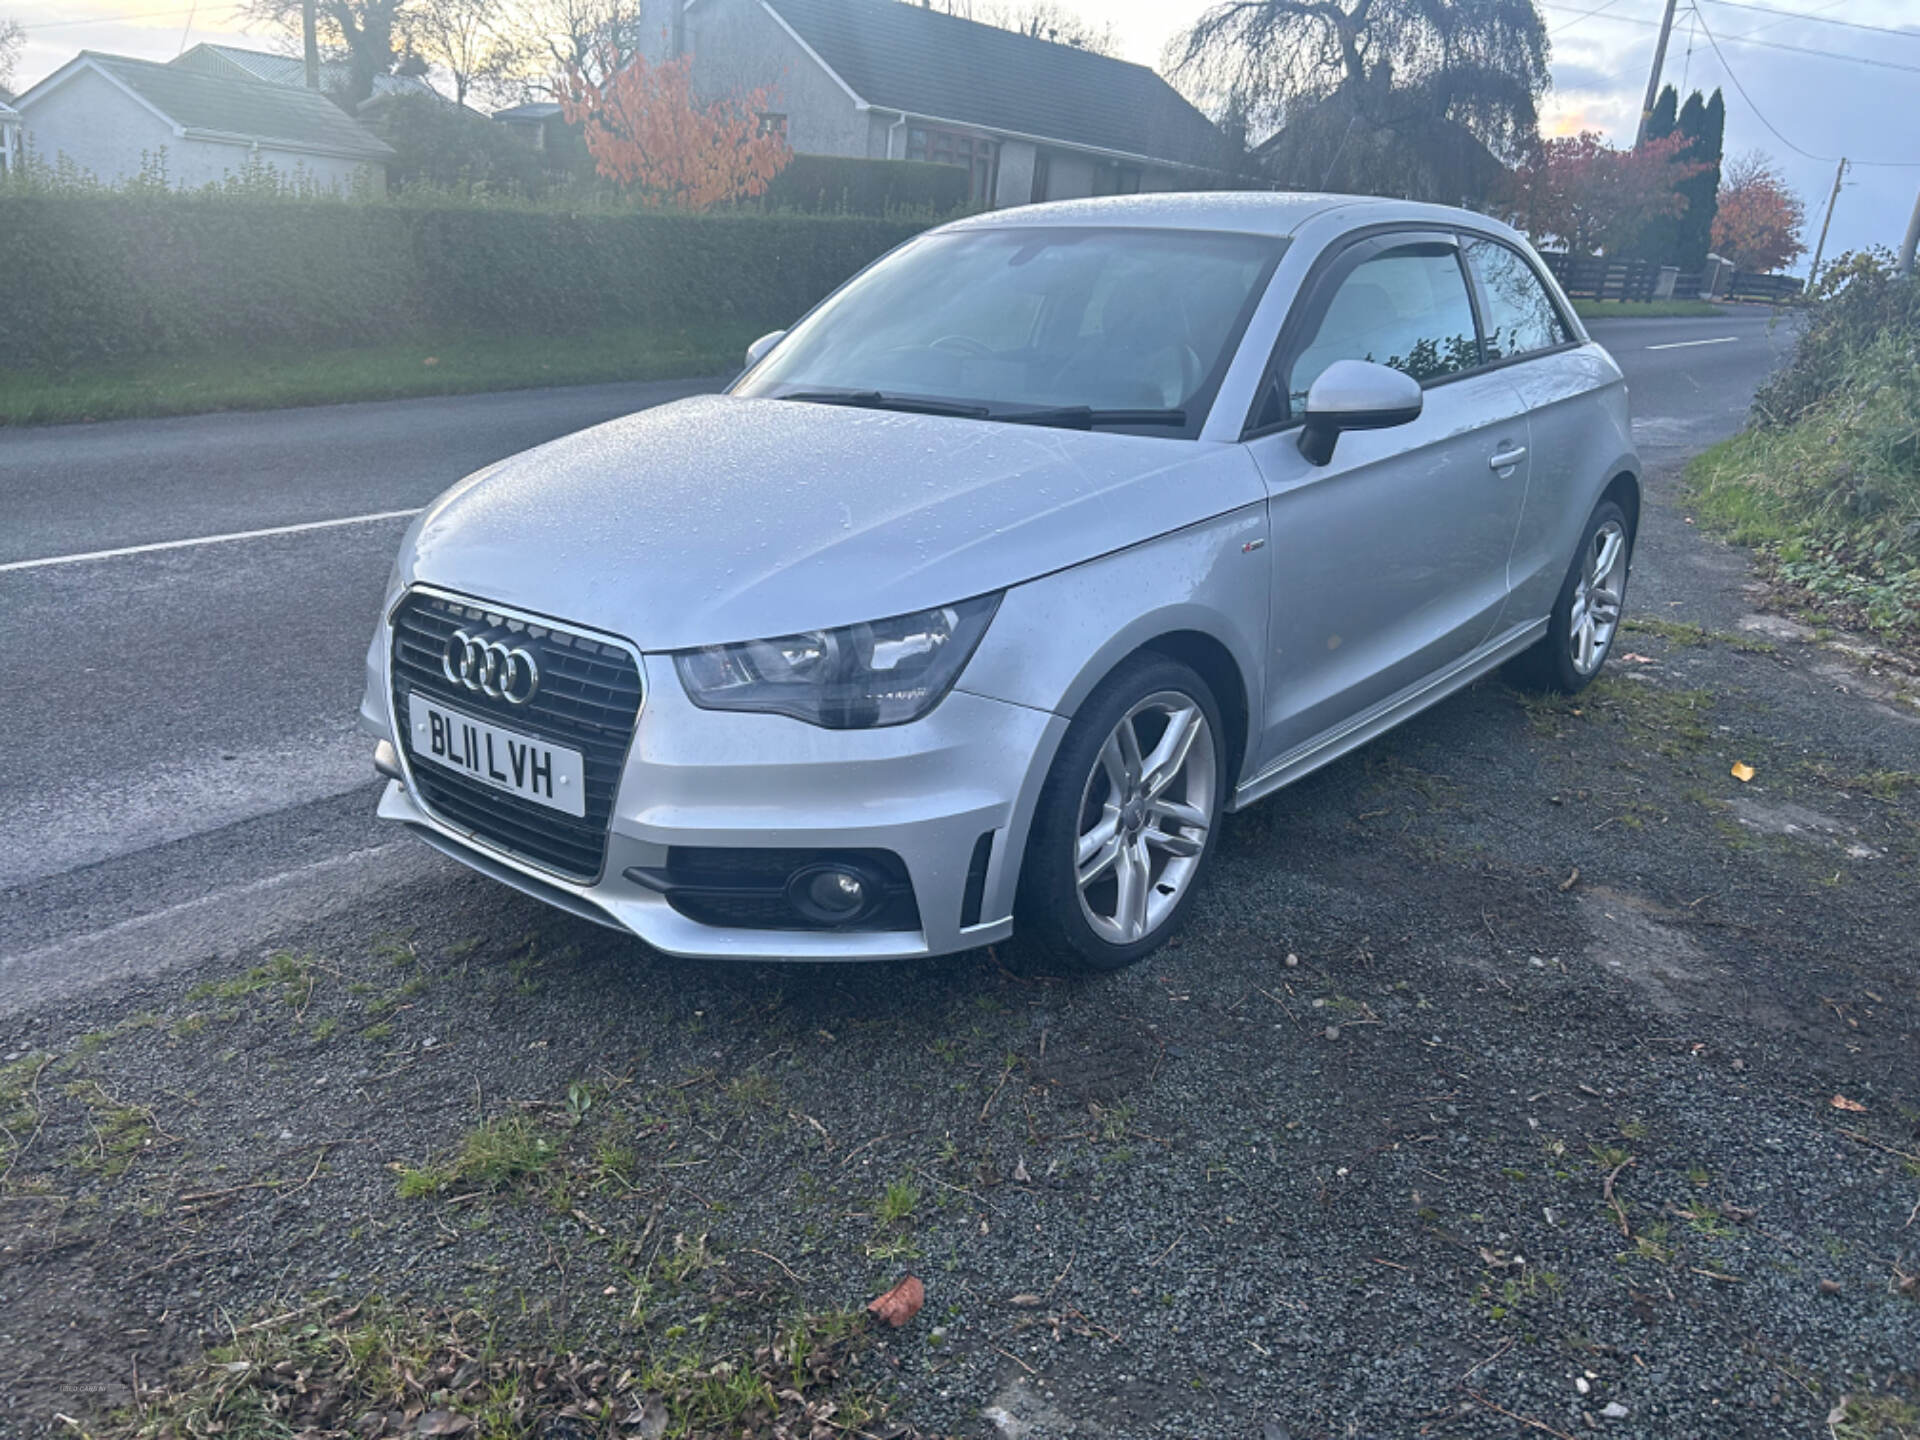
<point x="646" y="129"/>
<point x="1759" y="220"/>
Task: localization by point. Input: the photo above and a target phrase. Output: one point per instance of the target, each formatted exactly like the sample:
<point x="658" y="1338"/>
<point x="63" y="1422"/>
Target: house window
<point x="1042" y="172"/>
<point x="773" y="123"/>
<point x="981" y="157"/>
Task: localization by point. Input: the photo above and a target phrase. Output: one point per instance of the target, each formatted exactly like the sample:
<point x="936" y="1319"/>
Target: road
<point x="184" y="771"/>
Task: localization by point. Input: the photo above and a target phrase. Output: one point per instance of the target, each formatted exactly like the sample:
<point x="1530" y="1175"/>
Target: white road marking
<point x="1683" y="344"/>
<point x="125" y="550"/>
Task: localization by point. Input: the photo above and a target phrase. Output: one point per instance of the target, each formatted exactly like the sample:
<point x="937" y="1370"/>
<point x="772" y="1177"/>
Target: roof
<point x="220" y="106"/>
<point x="1249" y="212"/>
<point x="532" y="110"/>
<point x="238" y="63"/>
<point x="925" y="63"/>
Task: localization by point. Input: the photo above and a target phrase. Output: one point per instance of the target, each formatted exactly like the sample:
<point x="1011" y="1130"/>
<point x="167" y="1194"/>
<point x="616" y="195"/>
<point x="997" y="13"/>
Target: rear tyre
<point x="1586" y="616"/>
<point x="1125" y="825"/>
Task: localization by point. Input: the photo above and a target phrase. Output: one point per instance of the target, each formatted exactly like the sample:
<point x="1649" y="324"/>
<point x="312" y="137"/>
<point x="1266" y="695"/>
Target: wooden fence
<point x="1586" y="277"/>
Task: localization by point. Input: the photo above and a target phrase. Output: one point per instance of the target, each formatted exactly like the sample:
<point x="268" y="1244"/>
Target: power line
<point x="1585" y="15"/>
<point x="1816" y="19"/>
<point x="172" y="13"/>
<point x="1748" y="39"/>
<point x="1760" y="115"/>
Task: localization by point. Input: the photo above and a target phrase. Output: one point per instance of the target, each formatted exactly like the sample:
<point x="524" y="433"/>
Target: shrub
<point x="438" y="143"/>
<point x="1858" y="303"/>
<point x="823" y="184"/>
<point x="103" y="277"/>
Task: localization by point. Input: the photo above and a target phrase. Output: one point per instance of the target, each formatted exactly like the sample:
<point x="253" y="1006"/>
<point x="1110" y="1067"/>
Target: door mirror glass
<point x="757" y="351"/>
<point x="1356" y="395"/>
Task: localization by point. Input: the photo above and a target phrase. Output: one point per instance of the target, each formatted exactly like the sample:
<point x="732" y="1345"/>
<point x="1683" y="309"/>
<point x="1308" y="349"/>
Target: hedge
<point x="97" y="278"/>
<point x="824" y="184"/>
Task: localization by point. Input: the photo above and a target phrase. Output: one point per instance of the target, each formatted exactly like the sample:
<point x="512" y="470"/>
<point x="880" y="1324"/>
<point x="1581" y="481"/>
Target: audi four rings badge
<point x="489" y="667"/>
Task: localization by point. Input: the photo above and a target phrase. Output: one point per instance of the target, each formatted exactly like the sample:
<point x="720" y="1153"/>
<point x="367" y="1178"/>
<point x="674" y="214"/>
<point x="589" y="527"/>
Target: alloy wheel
<point x="1598" y="597"/>
<point x="1144" y="815"/>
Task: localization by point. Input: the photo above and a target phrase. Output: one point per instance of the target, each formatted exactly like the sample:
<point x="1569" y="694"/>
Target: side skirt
<point x="1351" y="734"/>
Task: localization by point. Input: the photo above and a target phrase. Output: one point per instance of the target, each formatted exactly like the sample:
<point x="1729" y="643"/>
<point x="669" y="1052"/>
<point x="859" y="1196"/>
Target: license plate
<point x="505" y="759"/>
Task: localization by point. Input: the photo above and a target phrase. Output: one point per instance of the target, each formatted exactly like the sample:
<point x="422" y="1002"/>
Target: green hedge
<point x="97" y="278"/>
<point x="825" y="184"/>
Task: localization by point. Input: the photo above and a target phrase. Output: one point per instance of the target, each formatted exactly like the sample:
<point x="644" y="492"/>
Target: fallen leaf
<point x="1742" y="771"/>
<point x="431" y="360"/>
<point x="1020" y="1172"/>
<point x="1571" y="880"/>
<point x="442" y="1422"/>
<point x="901" y="1303"/>
<point x="1026" y="1300"/>
<point x="1841" y="1102"/>
<point x="1633" y="659"/>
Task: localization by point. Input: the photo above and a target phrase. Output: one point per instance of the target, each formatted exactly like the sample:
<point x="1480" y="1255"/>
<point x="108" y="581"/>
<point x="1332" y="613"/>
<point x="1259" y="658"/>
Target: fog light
<point x="830" y="894"/>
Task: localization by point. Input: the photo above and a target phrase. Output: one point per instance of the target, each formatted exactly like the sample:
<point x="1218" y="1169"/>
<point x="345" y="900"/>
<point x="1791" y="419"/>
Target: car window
<point x="1035" y="317"/>
<point x="1521" y="316"/>
<point x="1407" y="308"/>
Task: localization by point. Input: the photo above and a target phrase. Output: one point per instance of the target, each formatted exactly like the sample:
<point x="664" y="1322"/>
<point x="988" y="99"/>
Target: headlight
<point x="886" y="673"/>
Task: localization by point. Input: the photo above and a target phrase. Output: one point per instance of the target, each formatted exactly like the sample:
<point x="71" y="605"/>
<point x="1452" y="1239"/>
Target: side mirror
<point x="1355" y="395"/>
<point x="757" y="351"/>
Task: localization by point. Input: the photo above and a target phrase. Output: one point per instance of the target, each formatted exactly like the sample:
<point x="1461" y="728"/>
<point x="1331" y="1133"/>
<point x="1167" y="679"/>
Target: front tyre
<point x="1126" y="821"/>
<point x="1586" y="616"/>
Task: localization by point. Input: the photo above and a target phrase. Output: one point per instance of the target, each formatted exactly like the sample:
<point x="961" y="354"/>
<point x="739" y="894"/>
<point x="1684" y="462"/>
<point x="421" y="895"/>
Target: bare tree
<point x="1046" y="20"/>
<point x="13" y="39"/>
<point x="1416" y="97"/>
<point x="552" y="36"/>
<point x="460" y="36"/>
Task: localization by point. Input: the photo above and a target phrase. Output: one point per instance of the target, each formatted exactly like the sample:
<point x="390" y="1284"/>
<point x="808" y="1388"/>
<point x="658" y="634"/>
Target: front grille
<point x="588" y="700"/>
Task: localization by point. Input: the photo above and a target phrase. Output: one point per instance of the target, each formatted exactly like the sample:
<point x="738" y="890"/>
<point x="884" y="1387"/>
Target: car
<point x="982" y="594"/>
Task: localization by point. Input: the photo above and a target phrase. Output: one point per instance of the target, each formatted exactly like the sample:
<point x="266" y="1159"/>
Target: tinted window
<point x="1026" y="316"/>
<point x="1520" y="316"/>
<point x="1407" y="308"/>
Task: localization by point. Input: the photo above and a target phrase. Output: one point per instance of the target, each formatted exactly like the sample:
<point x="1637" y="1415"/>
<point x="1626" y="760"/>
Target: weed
<point x="898" y="1203"/>
<point x="283" y="968"/>
<point x="505" y="1152"/>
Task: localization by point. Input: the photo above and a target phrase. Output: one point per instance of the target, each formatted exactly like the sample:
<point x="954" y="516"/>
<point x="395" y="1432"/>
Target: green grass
<point x="1644" y="309"/>
<point x="1831" y="500"/>
<point x="267" y="379"/>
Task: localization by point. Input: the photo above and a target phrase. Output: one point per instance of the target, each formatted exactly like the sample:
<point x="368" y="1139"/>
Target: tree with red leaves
<point x="1759" y="222"/>
<point x="1595" y="199"/>
<point x="646" y="130"/>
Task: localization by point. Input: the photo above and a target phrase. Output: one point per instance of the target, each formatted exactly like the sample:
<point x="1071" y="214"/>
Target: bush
<point x="108" y="277"/>
<point x="438" y="143"/>
<point x="823" y="184"/>
<point x="1858" y="303"/>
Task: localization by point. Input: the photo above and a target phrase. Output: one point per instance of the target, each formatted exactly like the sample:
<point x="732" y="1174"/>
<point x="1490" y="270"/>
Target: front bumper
<point x="926" y="792"/>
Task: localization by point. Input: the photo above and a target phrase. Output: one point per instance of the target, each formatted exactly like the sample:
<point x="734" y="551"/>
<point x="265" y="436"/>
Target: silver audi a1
<point x="984" y="592"/>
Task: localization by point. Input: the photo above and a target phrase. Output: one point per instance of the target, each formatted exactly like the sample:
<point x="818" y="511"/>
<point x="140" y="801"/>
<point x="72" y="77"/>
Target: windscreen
<point x="1025" y="318"/>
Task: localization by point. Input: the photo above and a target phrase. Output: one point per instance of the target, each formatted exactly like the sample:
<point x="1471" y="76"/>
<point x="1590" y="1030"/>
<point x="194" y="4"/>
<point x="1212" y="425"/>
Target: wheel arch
<point x="1624" y="490"/>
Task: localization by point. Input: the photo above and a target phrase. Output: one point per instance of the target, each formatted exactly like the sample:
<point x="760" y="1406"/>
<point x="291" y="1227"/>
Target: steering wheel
<point x="964" y="345"/>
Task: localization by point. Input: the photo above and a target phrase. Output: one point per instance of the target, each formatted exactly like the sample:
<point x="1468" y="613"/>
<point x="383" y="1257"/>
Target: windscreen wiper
<point x="876" y="400"/>
<point x="1086" y="417"/>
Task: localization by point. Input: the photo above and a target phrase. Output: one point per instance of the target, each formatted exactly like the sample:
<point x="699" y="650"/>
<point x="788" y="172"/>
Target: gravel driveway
<point x="1526" y="1072"/>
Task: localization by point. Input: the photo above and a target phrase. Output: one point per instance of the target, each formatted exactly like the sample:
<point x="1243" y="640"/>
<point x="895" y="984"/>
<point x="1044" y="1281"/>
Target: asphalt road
<point x="184" y="772"/>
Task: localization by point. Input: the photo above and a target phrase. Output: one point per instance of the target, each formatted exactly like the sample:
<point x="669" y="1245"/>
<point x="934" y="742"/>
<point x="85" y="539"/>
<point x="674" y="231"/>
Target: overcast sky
<point x="1863" y="106"/>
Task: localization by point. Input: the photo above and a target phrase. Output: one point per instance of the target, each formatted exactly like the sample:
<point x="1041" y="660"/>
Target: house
<point x="9" y="135"/>
<point x="115" y="117"/>
<point x="1030" y="119"/>
<point x="535" y="123"/>
<point x="236" y="63"/>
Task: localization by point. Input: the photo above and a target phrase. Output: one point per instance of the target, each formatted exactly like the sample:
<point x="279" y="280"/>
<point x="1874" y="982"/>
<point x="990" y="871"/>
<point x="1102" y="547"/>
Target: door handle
<point x="1506" y="459"/>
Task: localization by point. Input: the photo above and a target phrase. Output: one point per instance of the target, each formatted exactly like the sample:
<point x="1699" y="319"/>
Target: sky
<point x="1859" y="100"/>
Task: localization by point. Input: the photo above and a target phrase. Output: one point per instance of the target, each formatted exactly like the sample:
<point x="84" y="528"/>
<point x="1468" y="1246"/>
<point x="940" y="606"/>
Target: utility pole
<point x="1908" y="245"/>
<point x="1832" y="200"/>
<point x="310" y="43"/>
<point x="1653" y="80"/>
<point x="679" y="28"/>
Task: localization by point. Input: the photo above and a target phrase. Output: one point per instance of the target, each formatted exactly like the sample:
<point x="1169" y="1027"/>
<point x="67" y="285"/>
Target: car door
<point x="1525" y="331"/>
<point x="1390" y="562"/>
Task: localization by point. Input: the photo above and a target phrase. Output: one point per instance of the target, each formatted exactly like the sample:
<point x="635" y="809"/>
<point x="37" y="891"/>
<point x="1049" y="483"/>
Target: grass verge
<point x="269" y="379"/>
<point x="1644" y="309"/>
<point x="1832" y="502"/>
